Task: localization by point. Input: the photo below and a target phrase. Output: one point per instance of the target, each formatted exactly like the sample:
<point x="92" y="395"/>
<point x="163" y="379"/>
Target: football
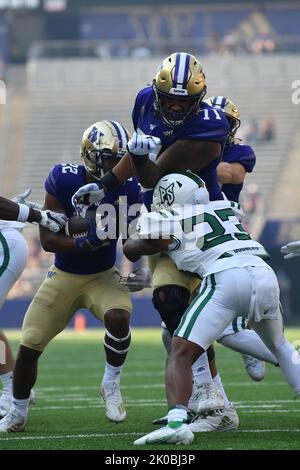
<point x="76" y="226"/>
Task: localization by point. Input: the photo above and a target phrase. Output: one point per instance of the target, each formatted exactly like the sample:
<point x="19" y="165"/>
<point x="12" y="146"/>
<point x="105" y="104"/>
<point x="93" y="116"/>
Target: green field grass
<point x="70" y="415"/>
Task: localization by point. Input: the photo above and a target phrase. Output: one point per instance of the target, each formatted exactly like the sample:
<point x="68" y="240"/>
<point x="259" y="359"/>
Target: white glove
<point x="238" y="211"/>
<point x="86" y="196"/>
<point x="21" y="199"/>
<point x="137" y="280"/>
<point x="53" y="221"/>
<point x="291" y="250"/>
<point x="141" y="144"/>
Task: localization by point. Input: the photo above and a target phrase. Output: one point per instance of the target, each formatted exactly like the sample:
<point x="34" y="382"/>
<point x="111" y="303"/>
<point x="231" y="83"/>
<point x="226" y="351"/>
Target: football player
<point x="206" y="237"/>
<point x="83" y="275"/>
<point x="178" y="131"/>
<point x="237" y="160"/>
<point x="13" y="258"/>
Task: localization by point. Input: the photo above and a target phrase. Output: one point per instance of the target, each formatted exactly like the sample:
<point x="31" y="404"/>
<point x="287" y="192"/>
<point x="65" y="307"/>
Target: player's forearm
<point x="148" y="174"/>
<point x="123" y="170"/>
<point x="185" y="155"/>
<point x="225" y="173"/>
<point x="230" y="173"/>
<point x="8" y="210"/>
<point x="56" y="242"/>
<point x="133" y="249"/>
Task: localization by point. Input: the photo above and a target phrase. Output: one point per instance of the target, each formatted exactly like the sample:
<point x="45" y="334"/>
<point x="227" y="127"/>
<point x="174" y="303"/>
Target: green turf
<point x="70" y="415"/>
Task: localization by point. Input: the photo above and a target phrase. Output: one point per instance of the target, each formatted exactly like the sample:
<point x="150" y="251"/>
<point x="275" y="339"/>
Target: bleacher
<point x="66" y="96"/>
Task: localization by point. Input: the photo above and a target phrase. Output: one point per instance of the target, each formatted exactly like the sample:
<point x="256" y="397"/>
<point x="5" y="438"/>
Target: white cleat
<point x="32" y="398"/>
<point x="5" y="404"/>
<point x="255" y="368"/>
<point x="219" y="420"/>
<point x="166" y="435"/>
<point x="111" y="394"/>
<point x="12" y="422"/>
<point x="205" y="397"/>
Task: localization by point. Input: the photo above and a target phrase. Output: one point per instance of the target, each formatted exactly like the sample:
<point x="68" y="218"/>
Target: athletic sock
<point x="7" y="380"/>
<point x="201" y="371"/>
<point x="21" y="406"/>
<point x="218" y="382"/>
<point x="111" y="373"/>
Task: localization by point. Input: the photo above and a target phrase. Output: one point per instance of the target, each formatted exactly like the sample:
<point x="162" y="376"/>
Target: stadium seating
<point x="67" y="96"/>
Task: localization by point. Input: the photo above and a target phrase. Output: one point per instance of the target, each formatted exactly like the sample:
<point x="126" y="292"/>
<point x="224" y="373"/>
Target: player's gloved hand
<point x="53" y="221"/>
<point x="291" y="250"/>
<point x="91" y="242"/>
<point x="140" y="145"/>
<point x="21" y="199"/>
<point x="137" y="280"/>
<point x="86" y="196"/>
<point x="238" y="211"/>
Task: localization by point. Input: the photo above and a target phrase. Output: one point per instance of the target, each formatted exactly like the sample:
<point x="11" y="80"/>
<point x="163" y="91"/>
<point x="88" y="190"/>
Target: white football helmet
<point x="179" y="188"/>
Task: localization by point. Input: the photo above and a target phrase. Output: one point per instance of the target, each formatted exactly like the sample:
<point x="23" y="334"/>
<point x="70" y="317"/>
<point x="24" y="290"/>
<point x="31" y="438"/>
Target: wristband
<point x="110" y="181"/>
<point x="23" y="213"/>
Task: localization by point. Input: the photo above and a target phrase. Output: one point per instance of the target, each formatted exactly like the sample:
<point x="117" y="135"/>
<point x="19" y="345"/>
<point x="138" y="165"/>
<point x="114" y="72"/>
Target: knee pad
<point x="171" y="301"/>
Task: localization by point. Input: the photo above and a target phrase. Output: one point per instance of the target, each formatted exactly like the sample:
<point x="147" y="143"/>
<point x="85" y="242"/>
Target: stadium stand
<point x="64" y="97"/>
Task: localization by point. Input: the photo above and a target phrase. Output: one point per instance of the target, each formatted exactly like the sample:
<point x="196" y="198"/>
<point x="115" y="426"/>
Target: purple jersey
<point x="62" y="182"/>
<point x="237" y="153"/>
<point x="209" y="124"/>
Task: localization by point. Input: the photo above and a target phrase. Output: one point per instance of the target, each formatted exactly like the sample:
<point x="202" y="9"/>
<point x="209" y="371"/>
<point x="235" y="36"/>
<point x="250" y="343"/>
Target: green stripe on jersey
<point x="198" y="305"/>
<point x="196" y="300"/>
<point x="6" y="255"/>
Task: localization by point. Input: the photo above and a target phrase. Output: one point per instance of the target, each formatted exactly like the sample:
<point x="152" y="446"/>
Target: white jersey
<point x="11" y="224"/>
<point x="207" y="238"/>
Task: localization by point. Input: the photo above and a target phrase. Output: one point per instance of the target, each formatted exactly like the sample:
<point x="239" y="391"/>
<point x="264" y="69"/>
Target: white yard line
<point x="153" y="385"/>
<point x="156" y="404"/>
<point x="94" y="435"/>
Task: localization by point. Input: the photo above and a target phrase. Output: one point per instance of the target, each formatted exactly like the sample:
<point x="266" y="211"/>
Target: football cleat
<point x="32" y="398"/>
<point x="6" y="402"/>
<point x="111" y="394"/>
<point x="167" y="435"/>
<point x="164" y="420"/>
<point x="205" y="397"/>
<point x="218" y="420"/>
<point x="255" y="368"/>
<point x="12" y="422"/>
